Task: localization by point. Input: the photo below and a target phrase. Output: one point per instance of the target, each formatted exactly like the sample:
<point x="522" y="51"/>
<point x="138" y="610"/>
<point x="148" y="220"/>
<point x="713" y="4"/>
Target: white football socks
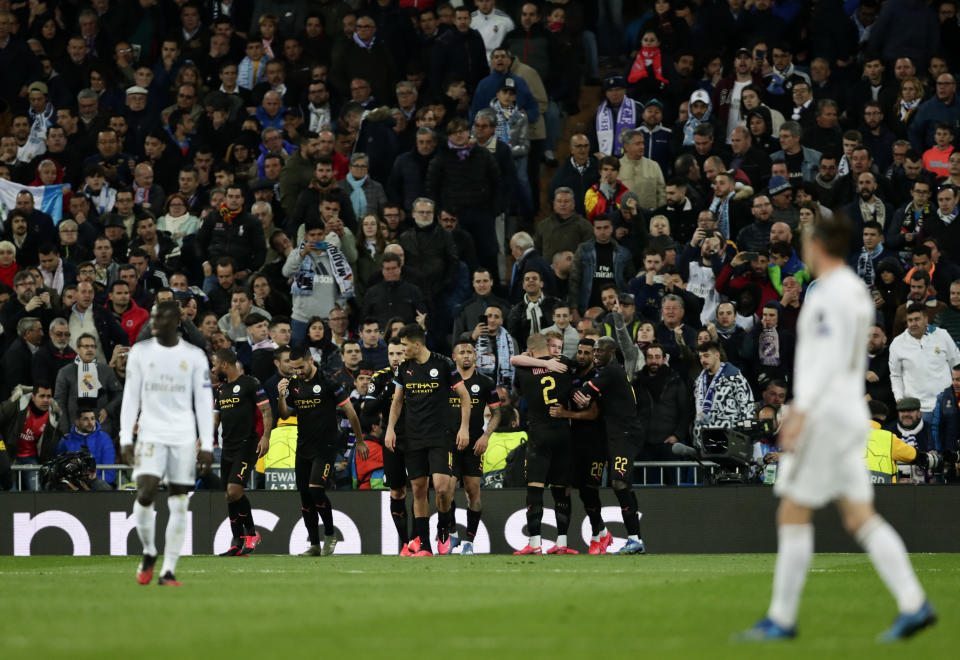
<point x="176" y="529"/>
<point x="889" y="557"/>
<point x="794" y="552"/>
<point x="146" y="527"/>
<point x="535" y="542"/>
<point x="561" y="540"/>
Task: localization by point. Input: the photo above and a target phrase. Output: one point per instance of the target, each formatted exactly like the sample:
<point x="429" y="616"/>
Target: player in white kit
<point x="168" y="398"/>
<point x="824" y="435"/>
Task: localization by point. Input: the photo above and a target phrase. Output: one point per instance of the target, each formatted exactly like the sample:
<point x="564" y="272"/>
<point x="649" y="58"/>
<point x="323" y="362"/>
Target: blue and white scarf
<point x="608" y="130"/>
<point x="504" y="117"/>
<point x="721" y="209"/>
<point x="309" y="267"/>
<point x="358" y="198"/>
<point x="495" y="363"/>
<point x="245" y="76"/>
<point x="865" y="265"/>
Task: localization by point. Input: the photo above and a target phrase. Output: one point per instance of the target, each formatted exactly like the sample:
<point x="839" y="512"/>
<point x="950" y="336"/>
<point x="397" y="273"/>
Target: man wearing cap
<point x="656" y="136"/>
<point x="726" y="95"/>
<point x="921" y="360"/>
<point x="596" y="264"/>
<point x="781" y="197"/>
<point x="40" y="106"/>
<point x="699" y="111"/>
<point x="616" y="114"/>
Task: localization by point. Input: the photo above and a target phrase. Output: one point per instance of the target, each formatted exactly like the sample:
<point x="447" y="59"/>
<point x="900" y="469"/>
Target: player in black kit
<point x="468" y="462"/>
<point x="376" y="410"/>
<point x="618" y="405"/>
<point x="589" y="448"/>
<point x="545" y="382"/>
<point x="423" y="385"/>
<point x="314" y="399"/>
<point x="236" y="400"/>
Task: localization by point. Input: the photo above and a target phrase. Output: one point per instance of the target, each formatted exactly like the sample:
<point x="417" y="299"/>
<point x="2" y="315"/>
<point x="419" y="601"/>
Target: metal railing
<point x="647" y="473"/>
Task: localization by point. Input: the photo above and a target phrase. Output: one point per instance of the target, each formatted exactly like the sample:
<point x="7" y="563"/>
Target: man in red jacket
<point x="128" y="313"/>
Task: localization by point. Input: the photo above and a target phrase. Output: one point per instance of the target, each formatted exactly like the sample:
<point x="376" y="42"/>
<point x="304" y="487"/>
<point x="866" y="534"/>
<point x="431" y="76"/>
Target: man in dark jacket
<point x="409" y="174"/>
<point x="368" y="57"/>
<point x="529" y="41"/>
<point x="578" y="172"/>
<point x="472" y="310"/>
<point x="26" y="301"/>
<point x="231" y="232"/>
<point x="459" y="53"/>
<point x="466" y="177"/>
<point x="533" y="312"/>
<point x="18" y="356"/>
<point x="663" y="400"/>
<point x="430" y="257"/>
<point x="393" y="296"/>
<point x="53" y="354"/>
<point x="323" y="186"/>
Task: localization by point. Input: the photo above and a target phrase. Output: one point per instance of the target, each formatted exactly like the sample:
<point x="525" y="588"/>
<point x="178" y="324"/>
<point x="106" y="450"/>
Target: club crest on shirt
<point x="474" y="388"/>
<point x="236" y="388"/>
<point x="316" y="389"/>
<point x="183" y="365"/>
<point x="371" y="388"/>
<point x="434" y="373"/>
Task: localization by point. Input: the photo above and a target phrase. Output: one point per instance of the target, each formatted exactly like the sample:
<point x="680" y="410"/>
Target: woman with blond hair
<point x="905" y="108"/>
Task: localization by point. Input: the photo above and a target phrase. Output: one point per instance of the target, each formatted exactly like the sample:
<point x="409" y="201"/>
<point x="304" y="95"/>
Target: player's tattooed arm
<point x="264" y="445"/>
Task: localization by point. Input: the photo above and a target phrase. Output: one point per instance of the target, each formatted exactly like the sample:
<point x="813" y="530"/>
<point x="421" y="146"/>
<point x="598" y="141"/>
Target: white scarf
<point x="608" y="130"/>
<point x="534" y="314"/>
<point x="88" y="379"/>
<point x="54" y="280"/>
<point x="907" y="107"/>
<point x="319" y="117"/>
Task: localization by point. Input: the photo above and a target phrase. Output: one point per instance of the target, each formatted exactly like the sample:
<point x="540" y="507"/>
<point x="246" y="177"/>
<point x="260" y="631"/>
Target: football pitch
<point x="655" y="606"/>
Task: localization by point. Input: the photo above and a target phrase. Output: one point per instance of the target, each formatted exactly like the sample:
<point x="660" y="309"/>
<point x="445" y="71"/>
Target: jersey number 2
<point x="549" y="384"/>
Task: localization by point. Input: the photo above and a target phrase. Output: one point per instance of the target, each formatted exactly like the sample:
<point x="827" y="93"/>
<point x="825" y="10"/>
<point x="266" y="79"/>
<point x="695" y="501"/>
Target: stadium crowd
<point x="319" y="173"/>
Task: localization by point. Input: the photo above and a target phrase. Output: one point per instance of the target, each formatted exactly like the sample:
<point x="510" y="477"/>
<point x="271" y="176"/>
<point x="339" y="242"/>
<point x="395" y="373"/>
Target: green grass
<point x="658" y="606"/>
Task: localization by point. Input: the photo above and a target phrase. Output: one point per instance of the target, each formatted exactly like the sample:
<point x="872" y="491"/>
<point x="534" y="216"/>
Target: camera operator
<point x="73" y="471"/>
<point x="88" y="434"/>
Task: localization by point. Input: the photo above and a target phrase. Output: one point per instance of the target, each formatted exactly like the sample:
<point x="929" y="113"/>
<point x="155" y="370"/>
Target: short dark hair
<point x="708" y="346"/>
<point x="226" y="355"/>
<point x="916" y="308"/>
<point x="253" y="318"/>
<point x="413" y="332"/>
<point x="300" y="353"/>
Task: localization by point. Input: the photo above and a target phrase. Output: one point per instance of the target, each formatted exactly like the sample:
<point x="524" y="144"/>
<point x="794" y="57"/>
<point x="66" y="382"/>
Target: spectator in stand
<point x="231" y="232"/>
<point x="533" y="312"/>
<point x="616" y="114"/>
<point x="372" y="346"/>
<point x="88" y="383"/>
<point x="944" y="107"/>
<point x="19" y="355"/>
<point x="394" y="296"/>
<point x="949" y="317"/>
<point x="603" y="197"/>
<point x="409" y="174"/>
<point x="662" y="398"/>
<point x="921" y="361"/>
<point x="29" y="423"/>
<point x="495" y="346"/>
<point x="578" y="173"/>
<point x="937" y="157"/>
<point x="640" y="174"/>
<point x="87" y="433"/>
<point x="802" y="162"/>
<point x="564" y="229"/>
<point x="54" y="353"/>
<point x="475" y="306"/>
<point x="597" y="263"/>
<point x="365" y="194"/>
<point x="941" y="225"/>
<point x="466" y="177"/>
<point x="321" y="277"/>
<point x="430" y="256"/>
<point x="127" y="312"/>
<point x="872" y="253"/>
<point x="722" y="395"/>
<point x="561" y="325"/>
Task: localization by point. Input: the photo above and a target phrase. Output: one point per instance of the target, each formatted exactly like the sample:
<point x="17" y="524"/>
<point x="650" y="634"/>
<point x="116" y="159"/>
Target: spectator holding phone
<point x="321" y="277"/>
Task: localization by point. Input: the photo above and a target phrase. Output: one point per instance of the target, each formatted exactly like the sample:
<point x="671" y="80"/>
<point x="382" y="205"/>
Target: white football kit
<point x="829" y="388"/>
<point x="169" y="389"/>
